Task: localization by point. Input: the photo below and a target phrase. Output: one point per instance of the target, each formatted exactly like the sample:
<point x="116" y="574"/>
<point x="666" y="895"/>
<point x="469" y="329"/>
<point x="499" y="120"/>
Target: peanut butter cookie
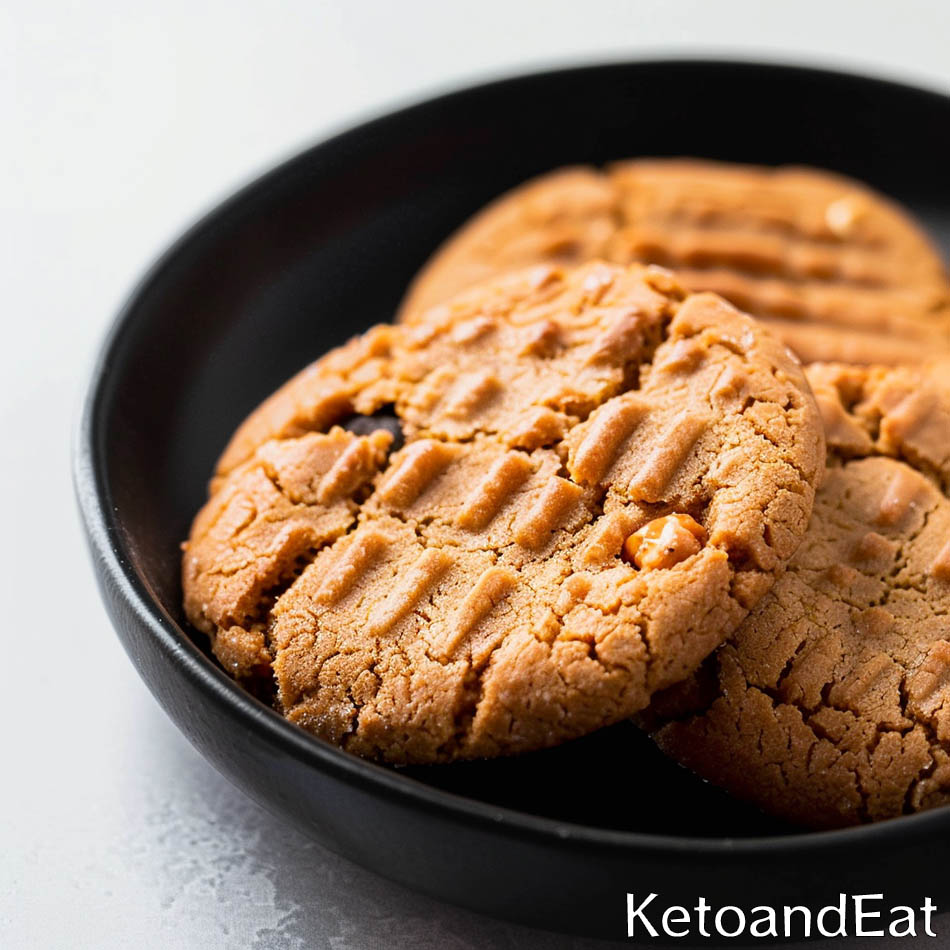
<point x="831" y="705"/>
<point x="840" y="272"/>
<point x="599" y="476"/>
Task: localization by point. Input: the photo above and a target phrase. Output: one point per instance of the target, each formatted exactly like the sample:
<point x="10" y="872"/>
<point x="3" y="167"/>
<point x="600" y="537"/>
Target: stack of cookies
<point x="578" y="482"/>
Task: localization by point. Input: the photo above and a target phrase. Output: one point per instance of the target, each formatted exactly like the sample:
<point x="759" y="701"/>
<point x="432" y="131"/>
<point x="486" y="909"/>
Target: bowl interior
<point x="324" y="246"/>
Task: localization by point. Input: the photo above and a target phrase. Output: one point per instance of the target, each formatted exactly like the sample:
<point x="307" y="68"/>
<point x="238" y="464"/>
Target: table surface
<point x="129" y="120"/>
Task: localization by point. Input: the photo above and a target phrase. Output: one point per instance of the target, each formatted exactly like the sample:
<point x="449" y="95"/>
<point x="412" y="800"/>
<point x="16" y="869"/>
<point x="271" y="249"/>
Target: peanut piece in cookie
<point x="664" y="542"/>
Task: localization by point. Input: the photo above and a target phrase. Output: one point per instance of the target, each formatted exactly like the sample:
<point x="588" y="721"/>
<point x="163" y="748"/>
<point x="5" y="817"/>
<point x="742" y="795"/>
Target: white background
<point x="121" y="123"/>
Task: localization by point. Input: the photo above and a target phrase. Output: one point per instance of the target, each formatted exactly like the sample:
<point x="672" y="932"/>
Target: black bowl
<point x="319" y="249"/>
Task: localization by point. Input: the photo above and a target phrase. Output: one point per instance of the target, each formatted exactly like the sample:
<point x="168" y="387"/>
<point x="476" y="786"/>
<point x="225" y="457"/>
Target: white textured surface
<point x="123" y="121"/>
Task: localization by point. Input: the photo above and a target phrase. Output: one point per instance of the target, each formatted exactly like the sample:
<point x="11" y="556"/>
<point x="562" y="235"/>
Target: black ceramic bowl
<point x="321" y="248"/>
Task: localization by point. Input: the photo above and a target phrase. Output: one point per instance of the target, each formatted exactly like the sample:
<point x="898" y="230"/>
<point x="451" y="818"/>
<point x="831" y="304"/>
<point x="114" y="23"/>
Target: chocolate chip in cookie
<point x="384" y="420"/>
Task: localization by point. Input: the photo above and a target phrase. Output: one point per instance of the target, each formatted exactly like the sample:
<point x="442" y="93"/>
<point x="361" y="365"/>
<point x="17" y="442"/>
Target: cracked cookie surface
<point x="840" y="272"/>
<point x="831" y="705"/>
<point x="466" y="594"/>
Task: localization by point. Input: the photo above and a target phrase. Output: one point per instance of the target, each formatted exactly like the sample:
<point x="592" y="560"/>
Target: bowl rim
<point x="107" y="546"/>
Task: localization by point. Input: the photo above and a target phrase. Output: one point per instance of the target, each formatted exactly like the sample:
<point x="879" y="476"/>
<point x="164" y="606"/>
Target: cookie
<point x="600" y="475"/>
<point x="831" y="705"/>
<point x="840" y="272"/>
